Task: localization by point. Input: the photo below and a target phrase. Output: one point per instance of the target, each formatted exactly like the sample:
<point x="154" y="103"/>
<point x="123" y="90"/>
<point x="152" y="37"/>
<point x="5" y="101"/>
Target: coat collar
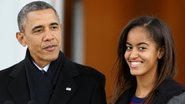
<point x="66" y="85"/>
<point x="126" y="96"/>
<point x="64" y="90"/>
<point x="168" y="89"/>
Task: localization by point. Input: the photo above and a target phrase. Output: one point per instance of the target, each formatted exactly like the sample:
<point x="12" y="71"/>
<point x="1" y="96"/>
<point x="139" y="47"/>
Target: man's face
<point x="42" y="36"/>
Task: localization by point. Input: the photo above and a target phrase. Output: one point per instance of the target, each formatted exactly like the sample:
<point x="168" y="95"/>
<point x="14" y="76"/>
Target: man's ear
<point x="21" y="38"/>
<point x="161" y="52"/>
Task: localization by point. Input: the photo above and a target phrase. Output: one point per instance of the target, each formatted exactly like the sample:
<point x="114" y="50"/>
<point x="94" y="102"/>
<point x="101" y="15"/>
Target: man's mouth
<point x="50" y="47"/>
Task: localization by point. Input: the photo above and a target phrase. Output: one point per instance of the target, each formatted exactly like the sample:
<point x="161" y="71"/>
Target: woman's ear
<point x="21" y="38"/>
<point x="161" y="52"/>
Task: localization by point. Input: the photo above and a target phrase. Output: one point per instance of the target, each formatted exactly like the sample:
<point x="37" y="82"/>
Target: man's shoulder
<point x="81" y="69"/>
<point x="7" y="71"/>
<point x="89" y="77"/>
<point x="88" y="71"/>
<point x="5" y="77"/>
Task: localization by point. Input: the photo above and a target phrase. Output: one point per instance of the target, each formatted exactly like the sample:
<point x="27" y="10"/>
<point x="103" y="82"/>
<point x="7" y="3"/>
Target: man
<point x="45" y="76"/>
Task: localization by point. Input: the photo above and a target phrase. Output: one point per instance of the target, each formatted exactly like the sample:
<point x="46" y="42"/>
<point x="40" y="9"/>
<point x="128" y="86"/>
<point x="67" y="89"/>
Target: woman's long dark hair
<point x="161" y="34"/>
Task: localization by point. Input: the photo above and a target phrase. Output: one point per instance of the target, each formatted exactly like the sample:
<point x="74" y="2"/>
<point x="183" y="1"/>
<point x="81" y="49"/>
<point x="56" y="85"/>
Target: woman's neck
<point x="145" y="84"/>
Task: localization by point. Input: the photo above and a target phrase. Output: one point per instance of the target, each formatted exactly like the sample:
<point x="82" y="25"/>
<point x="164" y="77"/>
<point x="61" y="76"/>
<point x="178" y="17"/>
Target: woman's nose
<point x="134" y="54"/>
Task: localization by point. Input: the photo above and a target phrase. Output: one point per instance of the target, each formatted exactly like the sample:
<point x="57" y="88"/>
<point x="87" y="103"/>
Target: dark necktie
<point x="43" y="71"/>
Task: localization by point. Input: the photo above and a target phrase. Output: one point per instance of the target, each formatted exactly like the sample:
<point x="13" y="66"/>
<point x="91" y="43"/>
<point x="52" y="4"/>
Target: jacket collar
<point x="168" y="89"/>
<point x="65" y="85"/>
<point x="126" y="96"/>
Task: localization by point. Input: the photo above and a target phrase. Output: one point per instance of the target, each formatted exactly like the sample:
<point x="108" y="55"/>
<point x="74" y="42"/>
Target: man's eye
<point x="37" y="30"/>
<point x="54" y="27"/>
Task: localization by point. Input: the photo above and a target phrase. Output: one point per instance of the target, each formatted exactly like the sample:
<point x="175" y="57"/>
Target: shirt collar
<point x="45" y="68"/>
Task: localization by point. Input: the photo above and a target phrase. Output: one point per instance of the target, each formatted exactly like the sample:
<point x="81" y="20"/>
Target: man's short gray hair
<point x="33" y="6"/>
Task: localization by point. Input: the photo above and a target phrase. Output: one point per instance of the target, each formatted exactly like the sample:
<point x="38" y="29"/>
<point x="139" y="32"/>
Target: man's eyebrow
<point x="55" y="23"/>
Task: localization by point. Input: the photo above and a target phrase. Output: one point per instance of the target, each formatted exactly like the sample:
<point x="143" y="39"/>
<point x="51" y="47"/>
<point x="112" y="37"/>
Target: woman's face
<point x="142" y="53"/>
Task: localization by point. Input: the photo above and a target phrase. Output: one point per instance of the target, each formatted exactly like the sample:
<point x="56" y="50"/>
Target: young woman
<point x="146" y="64"/>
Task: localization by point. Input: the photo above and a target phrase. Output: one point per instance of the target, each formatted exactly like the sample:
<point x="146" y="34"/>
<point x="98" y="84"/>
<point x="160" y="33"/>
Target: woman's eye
<point x="142" y="48"/>
<point x="128" y="47"/>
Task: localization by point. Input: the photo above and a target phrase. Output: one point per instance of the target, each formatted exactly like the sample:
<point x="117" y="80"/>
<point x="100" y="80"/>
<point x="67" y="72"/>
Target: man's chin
<point x="53" y="57"/>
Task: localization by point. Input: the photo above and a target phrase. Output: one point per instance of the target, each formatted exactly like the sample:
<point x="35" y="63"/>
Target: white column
<point x="78" y="35"/>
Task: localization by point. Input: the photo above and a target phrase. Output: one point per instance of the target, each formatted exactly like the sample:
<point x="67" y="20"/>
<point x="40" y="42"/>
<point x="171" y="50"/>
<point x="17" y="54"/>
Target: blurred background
<point x="91" y="30"/>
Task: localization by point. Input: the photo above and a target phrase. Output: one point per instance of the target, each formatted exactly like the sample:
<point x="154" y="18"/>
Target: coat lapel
<point x="64" y="90"/>
<point x="126" y="96"/>
<point x="18" y="87"/>
<point x="66" y="85"/>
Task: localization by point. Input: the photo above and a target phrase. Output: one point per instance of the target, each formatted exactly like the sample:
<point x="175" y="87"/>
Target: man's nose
<point x="48" y="35"/>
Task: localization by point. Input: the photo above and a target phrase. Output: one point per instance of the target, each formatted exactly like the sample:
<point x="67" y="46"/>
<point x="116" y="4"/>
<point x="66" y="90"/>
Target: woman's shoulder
<point x="170" y="85"/>
<point x="169" y="88"/>
<point x="180" y="99"/>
